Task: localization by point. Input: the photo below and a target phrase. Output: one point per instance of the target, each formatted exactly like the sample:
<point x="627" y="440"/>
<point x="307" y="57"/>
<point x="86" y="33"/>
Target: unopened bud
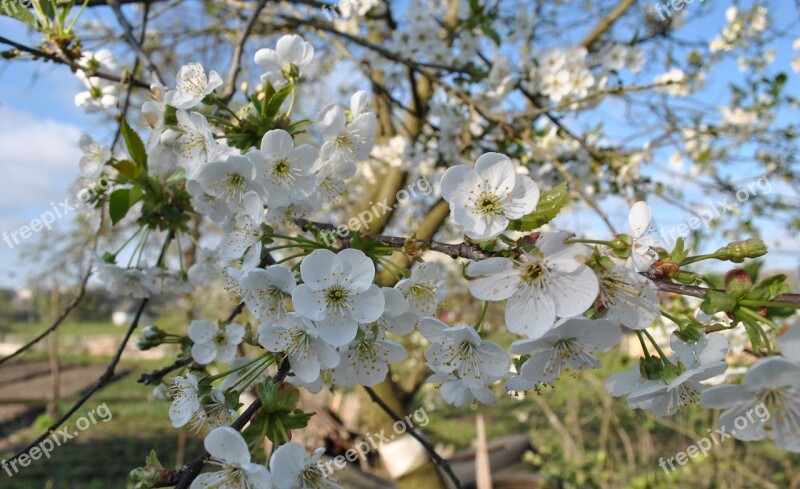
<point x="664" y="269"/>
<point x="737" y="282"/>
<point x="738" y="251"/>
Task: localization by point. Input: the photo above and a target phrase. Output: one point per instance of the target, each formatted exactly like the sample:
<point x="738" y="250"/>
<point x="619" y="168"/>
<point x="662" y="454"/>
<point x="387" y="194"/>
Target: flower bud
<point x="737" y="282"/>
<point x="153" y="332"/>
<point x="664" y="269"/>
<point x="290" y="71"/>
<point x="739" y="250"/>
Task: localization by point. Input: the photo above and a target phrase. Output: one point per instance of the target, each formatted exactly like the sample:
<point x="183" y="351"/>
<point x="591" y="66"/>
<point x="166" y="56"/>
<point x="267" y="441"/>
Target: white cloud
<point x="40" y="159"/>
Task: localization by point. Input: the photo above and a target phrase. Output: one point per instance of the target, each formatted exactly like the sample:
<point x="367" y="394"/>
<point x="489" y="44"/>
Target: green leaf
<point x="128" y="169"/>
<point x="550" y="203"/>
<point x="492" y="34"/>
<point x="277" y="100"/>
<point x="769" y="288"/>
<point x="121" y="201"/>
<point x="134" y="144"/>
<point x="715" y="301"/>
<point x="754" y="331"/>
<point x="15" y="10"/>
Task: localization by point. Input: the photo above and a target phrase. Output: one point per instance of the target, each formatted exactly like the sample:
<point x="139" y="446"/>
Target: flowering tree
<point x="470" y="131"/>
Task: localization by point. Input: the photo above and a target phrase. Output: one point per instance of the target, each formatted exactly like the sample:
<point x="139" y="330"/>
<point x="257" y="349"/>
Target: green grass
<point x="103" y="455"/>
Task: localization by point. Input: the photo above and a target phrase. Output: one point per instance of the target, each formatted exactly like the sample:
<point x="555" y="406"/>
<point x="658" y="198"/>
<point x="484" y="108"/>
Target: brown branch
<point x="136" y="44"/>
<point x="157" y="375"/>
<point x="73" y="64"/>
<point x="472" y="251"/>
<point x="238" y="51"/>
<point x="435" y="457"/>
<point x="606" y="23"/>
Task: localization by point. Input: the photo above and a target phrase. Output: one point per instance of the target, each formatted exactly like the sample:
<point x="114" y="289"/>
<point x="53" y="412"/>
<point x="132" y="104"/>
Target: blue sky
<point x="40" y="126"/>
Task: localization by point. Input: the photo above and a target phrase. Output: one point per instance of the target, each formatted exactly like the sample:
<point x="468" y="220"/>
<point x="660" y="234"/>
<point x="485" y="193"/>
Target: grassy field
<point x="102" y="456"/>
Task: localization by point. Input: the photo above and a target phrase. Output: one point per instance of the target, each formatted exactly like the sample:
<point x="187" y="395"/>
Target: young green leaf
<point x="121" y="201"/>
<point x="134" y="145"/>
<point x="550" y="204"/>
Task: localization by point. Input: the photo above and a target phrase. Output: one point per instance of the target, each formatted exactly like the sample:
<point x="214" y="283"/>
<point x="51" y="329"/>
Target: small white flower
<point x="205" y="267"/>
<point x="185" y="399"/>
<point x="424" y="290"/>
<point x="128" y="282"/>
<point x="708" y="348"/>
<point x="97" y="99"/>
<point x="337" y="293"/>
<point x="153" y="114"/>
<point x="641" y="234"/>
<point x="366" y="360"/>
<point x="773" y="382"/>
<point x="192" y="86"/>
<point x="666" y="399"/>
<point x="196" y="144"/>
<point x="290" y="50"/>
<point x="396" y="317"/>
<point x="292" y="468"/>
<point x="352" y="142"/>
<point x="627" y="298"/>
<point x="331" y="176"/>
<point x="245" y="228"/>
<point x="461" y="351"/>
<point x="283" y="170"/>
<point x="229" y="451"/>
<point x="95" y="156"/>
<point x="214" y="343"/>
<point x="461" y="394"/>
<point x="299" y="339"/>
<point x="570" y="346"/>
<point x="230" y="180"/>
<point x="550" y="281"/>
<point x="484" y="198"/>
<point x="265" y="291"/>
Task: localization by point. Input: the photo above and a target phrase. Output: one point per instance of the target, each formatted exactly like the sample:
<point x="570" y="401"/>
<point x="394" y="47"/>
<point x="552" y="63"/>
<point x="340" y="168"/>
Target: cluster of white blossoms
<point x="100" y="94"/>
<point x="324" y="311"/>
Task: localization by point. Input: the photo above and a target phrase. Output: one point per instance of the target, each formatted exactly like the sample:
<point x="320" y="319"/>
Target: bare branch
<point x="71" y="307"/>
<point x="134" y="43"/>
<point x="437" y="459"/>
<point x="73" y="64"/>
<point x="238" y="51"/>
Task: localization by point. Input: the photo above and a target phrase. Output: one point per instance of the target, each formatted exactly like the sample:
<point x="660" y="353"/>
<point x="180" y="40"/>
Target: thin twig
<point x="157" y="375"/>
<point x="127" y="103"/>
<point x="73" y="64"/>
<point x="104" y="379"/>
<point x="238" y="51"/>
<point x="437" y="459"/>
<point x="134" y="43"/>
<point x="472" y="251"/>
<point x="75" y="302"/>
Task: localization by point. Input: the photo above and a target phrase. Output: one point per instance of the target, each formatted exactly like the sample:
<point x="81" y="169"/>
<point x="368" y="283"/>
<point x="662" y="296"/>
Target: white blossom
<point x="550" y="281"/>
<point x="483" y="199"/>
<point x="192" y="86"/>
<point x="337" y="293"/>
